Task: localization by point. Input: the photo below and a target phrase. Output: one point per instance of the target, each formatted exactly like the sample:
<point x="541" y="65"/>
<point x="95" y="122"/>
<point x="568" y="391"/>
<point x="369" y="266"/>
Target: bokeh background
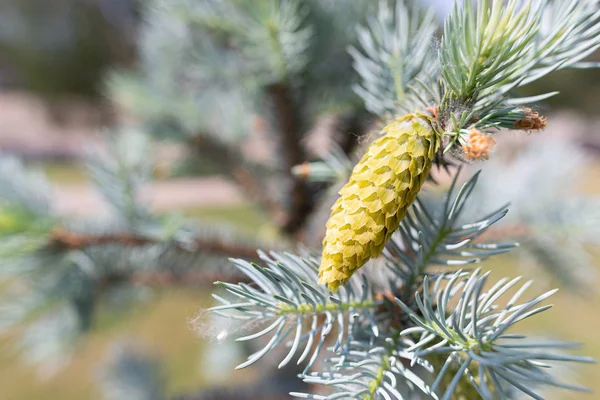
<point x="55" y="57"/>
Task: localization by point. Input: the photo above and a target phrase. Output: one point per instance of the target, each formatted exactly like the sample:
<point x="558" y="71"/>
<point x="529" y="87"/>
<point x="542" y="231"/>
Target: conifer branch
<point x="474" y="331"/>
<point x="283" y="297"/>
<point x="230" y="161"/>
<point x="65" y="240"/>
<point x="288" y="125"/>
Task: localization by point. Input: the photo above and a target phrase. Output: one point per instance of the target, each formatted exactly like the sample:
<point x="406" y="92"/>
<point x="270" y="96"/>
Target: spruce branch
<point x="285" y="297"/>
<point x="396" y="51"/>
<point x="230" y="49"/>
<point x="371" y="359"/>
<point x="473" y="333"/>
<point x="482" y="47"/>
<point x="53" y="263"/>
<point x="491" y="48"/>
<point x="426" y="239"/>
<point x="367" y="371"/>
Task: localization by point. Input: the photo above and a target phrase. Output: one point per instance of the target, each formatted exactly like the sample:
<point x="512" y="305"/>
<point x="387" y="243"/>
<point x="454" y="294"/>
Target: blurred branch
<point x="275" y="385"/>
<point x="591" y="145"/>
<point x="347" y="132"/>
<point x="288" y="123"/>
<point x="160" y="279"/>
<point x="243" y="393"/>
<point x="221" y="154"/>
<point x="77" y="241"/>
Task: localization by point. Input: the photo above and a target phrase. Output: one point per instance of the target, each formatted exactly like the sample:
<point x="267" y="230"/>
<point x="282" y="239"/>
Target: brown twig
<point x="76" y="241"/>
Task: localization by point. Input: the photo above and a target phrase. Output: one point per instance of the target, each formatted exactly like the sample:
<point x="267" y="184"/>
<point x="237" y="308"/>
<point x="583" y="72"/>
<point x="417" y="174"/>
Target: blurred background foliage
<point x="54" y="51"/>
<point x="58" y="48"/>
<point x="64" y="47"/>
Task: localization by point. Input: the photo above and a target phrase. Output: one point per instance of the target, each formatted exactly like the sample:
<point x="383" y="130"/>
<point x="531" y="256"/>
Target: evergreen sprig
<point x="369" y="347"/>
<point x="491" y="48"/>
<point x="395" y="50"/>
<point x="285" y="292"/>
<point x="425" y="238"/>
<point x="368" y="370"/>
<point x="474" y="333"/>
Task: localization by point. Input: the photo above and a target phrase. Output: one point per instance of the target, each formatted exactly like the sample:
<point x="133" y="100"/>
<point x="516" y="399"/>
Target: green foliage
<point x="490" y="49"/>
<point x="206" y="62"/>
<point x="397" y="49"/>
<point x="57" y="268"/>
<point x="59" y="48"/>
<point x="473" y="333"/>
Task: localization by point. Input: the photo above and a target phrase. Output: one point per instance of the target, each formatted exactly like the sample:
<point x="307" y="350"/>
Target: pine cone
<point x="373" y="203"/>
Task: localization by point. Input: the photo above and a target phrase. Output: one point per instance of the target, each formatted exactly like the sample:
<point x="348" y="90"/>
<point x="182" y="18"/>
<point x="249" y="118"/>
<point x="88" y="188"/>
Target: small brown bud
<point x="531" y="121"/>
<point x="385" y="295"/>
<point x="433" y="111"/>
<point x="302" y="171"/>
<point x="478" y="146"/>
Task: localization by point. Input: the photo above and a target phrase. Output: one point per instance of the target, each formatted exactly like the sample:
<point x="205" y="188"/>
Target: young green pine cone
<point x="372" y="204"/>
